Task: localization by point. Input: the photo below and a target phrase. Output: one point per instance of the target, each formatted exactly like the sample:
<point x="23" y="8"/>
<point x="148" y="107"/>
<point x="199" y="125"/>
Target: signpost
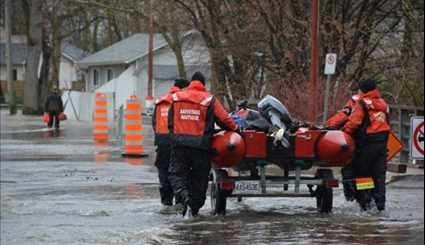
<point x="417" y="138"/>
<point x="330" y="70"/>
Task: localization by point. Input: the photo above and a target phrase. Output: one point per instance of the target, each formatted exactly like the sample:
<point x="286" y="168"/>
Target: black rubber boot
<point x="166" y="197"/>
<point x="364" y="199"/>
<point x="348" y="185"/>
<point x="378" y="193"/>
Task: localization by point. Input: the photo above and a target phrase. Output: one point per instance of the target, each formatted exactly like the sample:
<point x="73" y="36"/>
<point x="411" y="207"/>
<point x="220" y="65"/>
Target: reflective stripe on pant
<point x="189" y="173"/>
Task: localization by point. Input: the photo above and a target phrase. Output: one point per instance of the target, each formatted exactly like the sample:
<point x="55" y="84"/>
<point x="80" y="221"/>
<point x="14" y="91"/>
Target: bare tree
<point x="10" y="82"/>
<point x="168" y="20"/>
<point x="36" y="61"/>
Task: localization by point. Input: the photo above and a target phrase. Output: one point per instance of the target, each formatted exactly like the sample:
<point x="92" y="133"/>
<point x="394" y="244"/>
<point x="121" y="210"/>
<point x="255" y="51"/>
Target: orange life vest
<point x="160" y="117"/>
<point x="194" y="112"/>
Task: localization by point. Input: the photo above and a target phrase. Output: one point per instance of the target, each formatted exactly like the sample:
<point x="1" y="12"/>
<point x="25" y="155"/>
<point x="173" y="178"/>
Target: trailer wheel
<point x="324" y="195"/>
<point x="218" y="196"/>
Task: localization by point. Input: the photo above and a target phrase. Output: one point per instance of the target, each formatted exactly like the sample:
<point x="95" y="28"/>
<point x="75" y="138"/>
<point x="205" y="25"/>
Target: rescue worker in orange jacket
<point x="163" y="141"/>
<point x="369" y="123"/>
<point x="191" y="121"/>
<point x="337" y="122"/>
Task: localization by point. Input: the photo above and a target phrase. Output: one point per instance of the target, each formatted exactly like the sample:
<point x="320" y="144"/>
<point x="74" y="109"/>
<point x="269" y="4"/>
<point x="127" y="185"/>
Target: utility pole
<point x="10" y="82"/>
<point x="314" y="60"/>
<point x="149" y="98"/>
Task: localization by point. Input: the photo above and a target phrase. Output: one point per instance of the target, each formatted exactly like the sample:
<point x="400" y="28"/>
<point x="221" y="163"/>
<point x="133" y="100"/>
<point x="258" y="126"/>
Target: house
<point x="69" y="72"/>
<point x="122" y="67"/>
<point x="68" y="65"/>
<point x="18" y="50"/>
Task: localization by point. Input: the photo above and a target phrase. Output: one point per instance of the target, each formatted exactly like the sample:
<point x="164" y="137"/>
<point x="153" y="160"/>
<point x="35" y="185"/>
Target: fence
<point x="400" y="123"/>
<point x="80" y="105"/>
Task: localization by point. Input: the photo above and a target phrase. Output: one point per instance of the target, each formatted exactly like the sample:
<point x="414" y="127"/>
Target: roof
<point x="124" y="52"/>
<point x="73" y="53"/>
<point x="18" y="53"/>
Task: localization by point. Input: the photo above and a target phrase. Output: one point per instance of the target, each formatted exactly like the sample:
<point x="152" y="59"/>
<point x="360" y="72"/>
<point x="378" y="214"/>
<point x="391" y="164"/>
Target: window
<point x="110" y="75"/>
<point x="15" y="75"/>
<point x="95" y="78"/>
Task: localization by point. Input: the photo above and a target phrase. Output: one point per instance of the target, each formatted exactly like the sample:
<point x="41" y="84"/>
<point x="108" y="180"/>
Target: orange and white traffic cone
<point x="133" y="129"/>
<point x="100" y="118"/>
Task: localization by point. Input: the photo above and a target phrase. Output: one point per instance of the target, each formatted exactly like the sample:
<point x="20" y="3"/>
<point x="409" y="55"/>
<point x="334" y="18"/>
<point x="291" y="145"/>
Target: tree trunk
<point x="10" y="82"/>
<point x="95" y="39"/>
<point x="180" y="63"/>
<point x="56" y="59"/>
<point x="34" y="50"/>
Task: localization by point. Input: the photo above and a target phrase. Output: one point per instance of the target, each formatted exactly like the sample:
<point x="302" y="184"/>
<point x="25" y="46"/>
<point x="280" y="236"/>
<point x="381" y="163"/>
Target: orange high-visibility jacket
<point x="341" y="117"/>
<point x="193" y="114"/>
<point x="160" y="117"/>
<point x="373" y="106"/>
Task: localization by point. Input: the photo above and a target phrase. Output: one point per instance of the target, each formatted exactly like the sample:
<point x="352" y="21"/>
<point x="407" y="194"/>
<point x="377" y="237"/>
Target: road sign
<point x="394" y="146"/>
<point x="417" y="138"/>
<point x="330" y="67"/>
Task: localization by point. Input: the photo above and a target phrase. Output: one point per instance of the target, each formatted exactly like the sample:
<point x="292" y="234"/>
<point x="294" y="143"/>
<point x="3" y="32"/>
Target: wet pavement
<point x="60" y="188"/>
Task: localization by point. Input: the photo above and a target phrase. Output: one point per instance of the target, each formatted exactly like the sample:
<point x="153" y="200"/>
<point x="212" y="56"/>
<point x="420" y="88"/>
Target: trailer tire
<point x="324" y="194"/>
<point x="218" y="196"/>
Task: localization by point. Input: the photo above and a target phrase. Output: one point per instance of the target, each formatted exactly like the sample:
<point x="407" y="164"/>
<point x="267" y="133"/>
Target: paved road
<point x="60" y="188"/>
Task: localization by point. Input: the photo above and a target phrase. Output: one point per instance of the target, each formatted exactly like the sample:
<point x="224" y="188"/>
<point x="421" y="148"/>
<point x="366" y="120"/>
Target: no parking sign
<point x="417" y="138"/>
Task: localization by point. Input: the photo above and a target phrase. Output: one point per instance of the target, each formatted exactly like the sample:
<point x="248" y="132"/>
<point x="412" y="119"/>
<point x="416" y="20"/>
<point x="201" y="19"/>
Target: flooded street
<point x="60" y="188"/>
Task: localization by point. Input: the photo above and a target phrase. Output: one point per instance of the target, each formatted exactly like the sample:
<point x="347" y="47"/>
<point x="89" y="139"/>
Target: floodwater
<point x="60" y="188"/>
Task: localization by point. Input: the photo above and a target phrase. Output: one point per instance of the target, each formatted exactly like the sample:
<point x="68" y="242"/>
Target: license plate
<point x="248" y="187"/>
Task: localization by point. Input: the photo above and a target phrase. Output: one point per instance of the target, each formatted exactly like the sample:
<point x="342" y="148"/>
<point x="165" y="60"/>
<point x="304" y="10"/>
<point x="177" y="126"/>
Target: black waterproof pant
<point x="162" y="162"/>
<point x="371" y="161"/>
<point x="54" y="118"/>
<point x="348" y="176"/>
<point x="189" y="173"/>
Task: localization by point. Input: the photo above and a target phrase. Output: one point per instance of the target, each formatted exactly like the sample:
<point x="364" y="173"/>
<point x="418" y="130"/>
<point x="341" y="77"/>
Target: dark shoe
<point x="349" y="192"/>
<point x="364" y="199"/>
<point x="365" y="206"/>
<point x="166" y="202"/>
<point x="179" y="208"/>
<point x="381" y="207"/>
<point x="195" y="213"/>
<point x="167" y="210"/>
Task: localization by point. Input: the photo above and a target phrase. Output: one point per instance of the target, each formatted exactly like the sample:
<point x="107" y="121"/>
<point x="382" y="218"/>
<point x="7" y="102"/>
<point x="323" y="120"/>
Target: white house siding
<point x="20" y="70"/>
<point x="102" y="75"/>
<point x="68" y="74"/>
<point x="123" y="86"/>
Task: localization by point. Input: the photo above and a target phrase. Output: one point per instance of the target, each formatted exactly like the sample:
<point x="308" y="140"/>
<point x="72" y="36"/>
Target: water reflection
<point x="51" y="133"/>
<point x="134" y="161"/>
<point x="134" y="191"/>
<point x="280" y="225"/>
<point x="102" y="152"/>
